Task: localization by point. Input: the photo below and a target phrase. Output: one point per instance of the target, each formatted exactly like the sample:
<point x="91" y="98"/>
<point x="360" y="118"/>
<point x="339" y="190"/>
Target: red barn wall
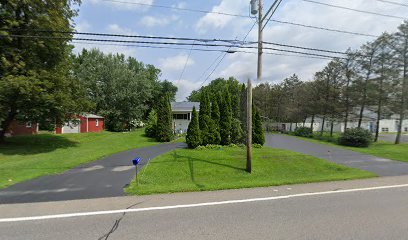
<point x="92" y="125"/>
<point x="16" y="129"/>
<point x="83" y="125"/>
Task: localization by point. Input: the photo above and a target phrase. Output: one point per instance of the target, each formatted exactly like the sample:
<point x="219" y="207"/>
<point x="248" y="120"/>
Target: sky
<point x="124" y="18"/>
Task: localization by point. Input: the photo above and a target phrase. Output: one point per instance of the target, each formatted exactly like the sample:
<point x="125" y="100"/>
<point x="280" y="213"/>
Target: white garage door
<point x="70" y="127"/>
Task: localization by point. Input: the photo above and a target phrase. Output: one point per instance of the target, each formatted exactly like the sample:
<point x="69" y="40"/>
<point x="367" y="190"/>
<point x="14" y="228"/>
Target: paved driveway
<point x="103" y="178"/>
<point x="380" y="166"/>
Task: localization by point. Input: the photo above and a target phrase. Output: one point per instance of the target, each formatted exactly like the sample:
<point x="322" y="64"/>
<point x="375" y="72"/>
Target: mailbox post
<point x="136" y="162"/>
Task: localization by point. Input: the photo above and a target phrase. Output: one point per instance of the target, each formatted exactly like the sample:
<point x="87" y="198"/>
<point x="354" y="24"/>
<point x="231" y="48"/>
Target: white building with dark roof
<point x="182" y="113"/>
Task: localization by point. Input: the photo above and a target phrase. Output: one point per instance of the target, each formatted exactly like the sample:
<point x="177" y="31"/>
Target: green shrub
<point x="256" y="145"/>
<point x="303" y="132"/>
<point x="356" y="137"/>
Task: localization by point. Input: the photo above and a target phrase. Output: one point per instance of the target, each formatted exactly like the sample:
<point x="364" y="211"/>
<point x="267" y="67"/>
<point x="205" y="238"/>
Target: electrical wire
<point x="246" y="16"/>
<point x="394" y="3"/>
<point x="354" y="10"/>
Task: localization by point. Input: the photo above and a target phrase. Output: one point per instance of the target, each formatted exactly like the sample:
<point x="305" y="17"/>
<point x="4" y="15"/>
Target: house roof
<point x="90" y="115"/>
<point x="184" y="106"/>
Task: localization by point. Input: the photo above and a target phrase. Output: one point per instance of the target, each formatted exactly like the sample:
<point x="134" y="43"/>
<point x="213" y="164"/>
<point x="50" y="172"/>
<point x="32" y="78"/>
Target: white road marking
<point x="82" y="214"/>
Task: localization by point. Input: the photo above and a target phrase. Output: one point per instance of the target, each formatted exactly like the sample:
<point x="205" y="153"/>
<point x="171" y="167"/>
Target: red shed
<point x="83" y="124"/>
<point x="22" y="128"/>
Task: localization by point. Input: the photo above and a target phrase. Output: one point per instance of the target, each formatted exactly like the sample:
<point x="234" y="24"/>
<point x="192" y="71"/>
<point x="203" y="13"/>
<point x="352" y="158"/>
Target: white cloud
<point x="175" y="63"/>
<point x="185" y="87"/>
<point x="180" y="5"/>
<point x="125" y="5"/>
<point x="276" y="68"/>
<point x="217" y="21"/>
<point x="116" y="29"/>
<point x="83" y="26"/>
<point x="159" y="21"/>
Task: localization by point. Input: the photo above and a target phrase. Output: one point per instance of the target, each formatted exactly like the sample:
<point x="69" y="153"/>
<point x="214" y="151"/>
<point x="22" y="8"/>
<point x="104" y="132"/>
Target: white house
<point x="182" y="113"/>
<point x="387" y="124"/>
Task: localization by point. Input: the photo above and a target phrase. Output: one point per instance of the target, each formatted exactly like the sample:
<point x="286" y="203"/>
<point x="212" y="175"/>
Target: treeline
<point x="374" y="77"/>
<point x="121" y="89"/>
<point x="43" y="81"/>
<point x="222" y="115"/>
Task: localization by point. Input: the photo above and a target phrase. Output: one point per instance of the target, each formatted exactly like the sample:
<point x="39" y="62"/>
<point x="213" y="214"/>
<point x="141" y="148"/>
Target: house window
<point x="28" y="125"/>
<point x="406" y="129"/>
<point x="384" y="130"/>
<point x="97" y="122"/>
<point x="181" y="116"/>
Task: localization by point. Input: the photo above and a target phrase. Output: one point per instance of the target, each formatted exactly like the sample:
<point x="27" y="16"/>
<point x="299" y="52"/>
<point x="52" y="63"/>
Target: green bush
<point x="256" y="145"/>
<point x="303" y="132"/>
<point x="356" y="137"/>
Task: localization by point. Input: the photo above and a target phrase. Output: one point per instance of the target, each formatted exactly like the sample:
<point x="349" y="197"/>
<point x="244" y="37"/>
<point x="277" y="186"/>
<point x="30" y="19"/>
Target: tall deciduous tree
<point x="121" y="89"/>
<point x="35" y="82"/>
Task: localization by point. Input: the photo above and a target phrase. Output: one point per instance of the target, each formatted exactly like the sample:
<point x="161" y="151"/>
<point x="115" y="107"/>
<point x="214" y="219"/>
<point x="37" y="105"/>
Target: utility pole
<point x="260" y="45"/>
<point x="249" y="127"/>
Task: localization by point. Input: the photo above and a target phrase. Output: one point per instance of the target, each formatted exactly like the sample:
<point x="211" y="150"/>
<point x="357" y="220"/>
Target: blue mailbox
<point x="136" y="161"/>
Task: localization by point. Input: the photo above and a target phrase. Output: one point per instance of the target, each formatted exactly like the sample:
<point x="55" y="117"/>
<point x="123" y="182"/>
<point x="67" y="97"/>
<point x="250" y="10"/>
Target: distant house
<point x="182" y="112"/>
<point x="387" y="123"/>
<point x="17" y="128"/>
<point x="82" y="124"/>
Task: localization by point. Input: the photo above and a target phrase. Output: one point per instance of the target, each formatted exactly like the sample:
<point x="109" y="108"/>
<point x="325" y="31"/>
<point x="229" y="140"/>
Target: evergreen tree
<point x="193" y="137"/>
<point x="205" y="108"/>
<point x="215" y="121"/>
<point x="164" y="120"/>
<point x="243" y="109"/>
<point x="225" y="118"/>
<point x="204" y="118"/>
<point x="151" y="126"/>
<point x="258" y="136"/>
<point x="237" y="135"/>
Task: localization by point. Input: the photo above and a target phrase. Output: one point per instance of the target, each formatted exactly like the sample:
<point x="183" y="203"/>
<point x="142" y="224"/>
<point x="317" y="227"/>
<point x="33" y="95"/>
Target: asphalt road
<point x="364" y="214"/>
<point x="380" y="166"/>
<point x="103" y="178"/>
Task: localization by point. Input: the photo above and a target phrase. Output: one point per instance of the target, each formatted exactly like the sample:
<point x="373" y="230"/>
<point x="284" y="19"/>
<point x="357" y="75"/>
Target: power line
<point x="355" y="10"/>
<point x="130" y="36"/>
<point x="324" y="28"/>
<point x="392" y="2"/>
<point x="304" y="48"/>
<point x="179" y="44"/>
<point x="147" y="46"/>
<point x="245" y="16"/>
<point x="178" y="8"/>
<point x="225" y="54"/>
<point x="198" y="49"/>
<point x="185" y="65"/>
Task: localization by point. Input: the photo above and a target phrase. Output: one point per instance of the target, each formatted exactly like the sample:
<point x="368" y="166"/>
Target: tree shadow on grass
<point x="192" y="160"/>
<point x="35" y="144"/>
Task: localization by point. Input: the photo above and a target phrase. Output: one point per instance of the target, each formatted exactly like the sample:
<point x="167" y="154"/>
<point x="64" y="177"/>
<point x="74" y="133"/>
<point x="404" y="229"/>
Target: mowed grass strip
<point x="27" y="157"/>
<point x="382" y="149"/>
<point x="184" y="170"/>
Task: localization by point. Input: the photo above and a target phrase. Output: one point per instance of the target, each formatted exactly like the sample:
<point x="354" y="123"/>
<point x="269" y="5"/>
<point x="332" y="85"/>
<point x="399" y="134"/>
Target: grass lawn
<point x="382" y="149"/>
<point x="27" y="157"/>
<point x="213" y="169"/>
